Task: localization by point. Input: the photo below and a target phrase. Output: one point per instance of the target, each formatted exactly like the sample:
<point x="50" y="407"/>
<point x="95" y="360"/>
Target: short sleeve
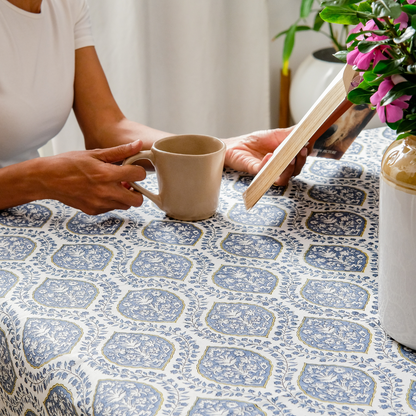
<point x="82" y="30"/>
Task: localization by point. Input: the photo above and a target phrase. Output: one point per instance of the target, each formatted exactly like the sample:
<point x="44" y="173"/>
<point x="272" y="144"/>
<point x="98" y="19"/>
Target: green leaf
<point x="406" y="35"/>
<point x="352" y="36"/>
<point x="364" y="7"/>
<point x="366" y="46"/>
<point x="413" y="21"/>
<point x="338" y="3"/>
<point x="394" y="126"/>
<point x="289" y="44"/>
<point x="409" y="8"/>
<point x="406" y="125"/>
<point x="298" y="29"/>
<point x="386" y="8"/>
<point x="341" y="15"/>
<point x="403" y="88"/>
<point x="411" y="69"/>
<point x="359" y="96"/>
<point x="404" y="135"/>
<point x="388" y="66"/>
<point x="342" y="56"/>
<point x="305" y="8"/>
<point x="318" y="23"/>
<point x="372" y="79"/>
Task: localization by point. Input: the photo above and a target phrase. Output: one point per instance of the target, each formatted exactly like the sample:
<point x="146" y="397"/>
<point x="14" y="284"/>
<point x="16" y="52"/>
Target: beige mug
<point x="189" y="171"/>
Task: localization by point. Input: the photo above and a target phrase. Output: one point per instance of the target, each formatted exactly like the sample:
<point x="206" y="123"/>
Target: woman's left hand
<point x="250" y="152"/>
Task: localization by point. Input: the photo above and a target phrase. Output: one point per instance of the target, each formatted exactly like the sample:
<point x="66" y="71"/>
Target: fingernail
<point x="292" y="162"/>
<point x="304" y="152"/>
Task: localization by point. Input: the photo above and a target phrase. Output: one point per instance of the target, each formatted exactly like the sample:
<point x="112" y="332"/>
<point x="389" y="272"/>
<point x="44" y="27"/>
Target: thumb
<point x="119" y="153"/>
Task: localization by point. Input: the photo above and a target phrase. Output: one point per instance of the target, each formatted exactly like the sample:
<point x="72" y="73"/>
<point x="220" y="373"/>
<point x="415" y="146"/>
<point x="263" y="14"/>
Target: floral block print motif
<point x="240" y="319"/>
<point x="407" y="353"/>
<point x="336" y="223"/>
<point x="126" y="398"/>
<point x="245" y="279"/>
<point x="16" y="248"/>
<point x="46" y="339"/>
<point x="329" y="168"/>
<point x="235" y="366"/>
<point x="337" y="258"/>
<point x="152" y="263"/>
<point x="334" y="294"/>
<point x="28" y="215"/>
<point x="260" y="215"/>
<point x="337" y="384"/>
<point x="355" y="148"/>
<point x="57" y="293"/>
<point x="7" y="281"/>
<point x="7" y="375"/>
<point x="59" y="402"/>
<point x="102" y="224"/>
<point x="138" y="350"/>
<point x="255" y="246"/>
<point x="334" y="335"/>
<point x="82" y="257"/>
<point x="210" y="407"/>
<point x="151" y="305"/>
<point x="243" y="183"/>
<point x="174" y="232"/>
<point x="337" y="194"/>
<point x="411" y="395"/>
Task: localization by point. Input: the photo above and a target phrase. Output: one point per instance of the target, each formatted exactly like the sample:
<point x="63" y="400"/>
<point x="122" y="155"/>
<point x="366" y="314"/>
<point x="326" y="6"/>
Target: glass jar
<point x="397" y="242"/>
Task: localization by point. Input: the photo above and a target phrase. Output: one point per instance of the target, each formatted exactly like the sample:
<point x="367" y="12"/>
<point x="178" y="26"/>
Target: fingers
<point x="119" y="153"/>
<point x="294" y="168"/>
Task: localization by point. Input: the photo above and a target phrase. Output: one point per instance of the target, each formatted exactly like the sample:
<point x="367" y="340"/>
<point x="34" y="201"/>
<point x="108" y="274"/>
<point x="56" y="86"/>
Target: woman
<point x="49" y="65"/>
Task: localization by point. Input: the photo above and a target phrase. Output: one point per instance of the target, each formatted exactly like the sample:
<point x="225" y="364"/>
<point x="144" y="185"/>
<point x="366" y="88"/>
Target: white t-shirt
<point x="37" y="66"/>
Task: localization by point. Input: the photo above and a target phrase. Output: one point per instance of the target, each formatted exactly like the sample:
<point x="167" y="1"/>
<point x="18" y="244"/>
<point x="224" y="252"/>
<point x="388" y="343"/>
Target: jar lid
<point x="399" y="162"/>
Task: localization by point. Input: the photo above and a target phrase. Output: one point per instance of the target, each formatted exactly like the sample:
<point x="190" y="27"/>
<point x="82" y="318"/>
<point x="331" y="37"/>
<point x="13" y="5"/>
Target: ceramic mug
<point x="189" y="171"/>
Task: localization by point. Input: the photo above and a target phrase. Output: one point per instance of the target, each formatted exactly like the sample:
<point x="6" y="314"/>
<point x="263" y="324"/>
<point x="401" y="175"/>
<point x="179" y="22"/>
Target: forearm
<point x="20" y="184"/>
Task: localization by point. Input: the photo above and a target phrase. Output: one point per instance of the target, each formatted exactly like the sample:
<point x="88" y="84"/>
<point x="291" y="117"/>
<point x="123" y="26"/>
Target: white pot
<point x="310" y="80"/>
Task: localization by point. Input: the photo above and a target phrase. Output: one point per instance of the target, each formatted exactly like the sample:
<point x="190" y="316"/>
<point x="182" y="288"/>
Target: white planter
<point x="310" y="80"/>
<point x="397" y="243"/>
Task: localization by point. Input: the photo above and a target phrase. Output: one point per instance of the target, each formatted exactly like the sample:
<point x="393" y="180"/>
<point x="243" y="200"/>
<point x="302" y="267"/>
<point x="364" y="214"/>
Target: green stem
<point x="338" y="47"/>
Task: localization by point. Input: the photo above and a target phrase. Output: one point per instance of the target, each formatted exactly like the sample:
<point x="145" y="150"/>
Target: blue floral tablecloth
<point x="267" y="312"/>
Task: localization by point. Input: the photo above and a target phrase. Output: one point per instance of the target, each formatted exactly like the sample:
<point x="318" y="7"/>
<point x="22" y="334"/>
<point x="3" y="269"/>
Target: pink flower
<point x="394" y="111"/>
<point x="411" y="1"/>
<point x="403" y="19"/>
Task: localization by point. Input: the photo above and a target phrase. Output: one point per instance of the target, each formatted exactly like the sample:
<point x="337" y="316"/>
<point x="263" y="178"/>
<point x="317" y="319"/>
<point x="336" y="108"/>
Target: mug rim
<point x="223" y="146"/>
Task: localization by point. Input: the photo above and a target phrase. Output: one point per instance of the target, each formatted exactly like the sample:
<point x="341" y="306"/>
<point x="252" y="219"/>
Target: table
<point x="267" y="312"/>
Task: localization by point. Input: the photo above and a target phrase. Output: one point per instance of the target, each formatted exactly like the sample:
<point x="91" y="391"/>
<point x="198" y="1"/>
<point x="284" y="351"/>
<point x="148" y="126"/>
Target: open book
<point x="328" y="108"/>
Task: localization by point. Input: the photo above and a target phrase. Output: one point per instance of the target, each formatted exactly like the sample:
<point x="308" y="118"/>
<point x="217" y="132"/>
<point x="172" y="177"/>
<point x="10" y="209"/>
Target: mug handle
<point x="145" y="154"/>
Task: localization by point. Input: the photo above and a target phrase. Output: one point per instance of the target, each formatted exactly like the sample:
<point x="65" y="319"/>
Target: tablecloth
<point x="266" y="312"/>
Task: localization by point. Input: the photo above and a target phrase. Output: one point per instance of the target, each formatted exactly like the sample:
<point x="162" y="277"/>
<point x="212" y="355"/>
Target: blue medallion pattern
<point x="138" y="350"/>
<point x="103" y="224"/>
<point x="29" y="215"/>
<point x="173" y="232"/>
<point x="7" y="281"/>
<point x="65" y="293"/>
<point x="151" y="305"/>
<point x="355" y="148"/>
<point x="16" y="248"/>
<point x="29" y="413"/>
<point x="126" y="398"/>
<point x="334" y="294"/>
<point x="60" y="402"/>
<point x="46" y="339"/>
<point x="336" y="223"/>
<point x="82" y="257"/>
<point x="211" y="407"/>
<point x="260" y="215"/>
<point x="248" y="245"/>
<point x="329" y="168"/>
<point x="337" y="258"/>
<point x="243" y="183"/>
<point x="407" y="353"/>
<point x="245" y="279"/>
<point x="337" y="384"/>
<point x="234" y="366"/>
<point x="7" y="374"/>
<point x="240" y="319"/>
<point x="334" y="335"/>
<point x="337" y="194"/>
<point x="411" y="395"/>
<point x="152" y="263"/>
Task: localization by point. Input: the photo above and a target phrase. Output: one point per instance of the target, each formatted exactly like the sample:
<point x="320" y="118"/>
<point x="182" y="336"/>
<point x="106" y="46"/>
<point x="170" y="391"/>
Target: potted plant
<point x="317" y="70"/>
